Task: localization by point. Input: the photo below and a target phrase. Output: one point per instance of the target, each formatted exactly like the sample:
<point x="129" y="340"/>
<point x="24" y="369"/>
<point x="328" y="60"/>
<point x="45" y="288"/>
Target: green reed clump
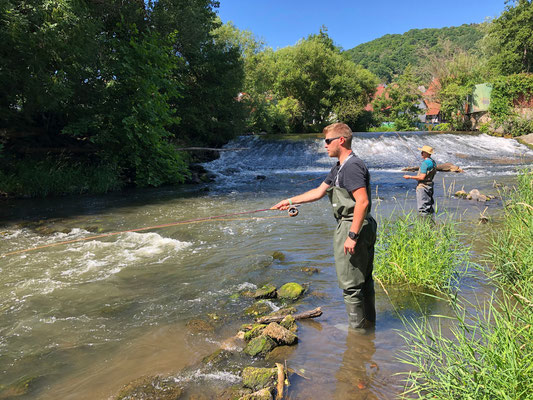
<point x="487" y="352"/>
<point x="419" y="252"/>
<point x="511" y="249"/>
<point x="57" y="177"/>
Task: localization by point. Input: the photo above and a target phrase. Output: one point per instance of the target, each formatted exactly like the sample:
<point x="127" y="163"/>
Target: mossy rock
<point x="19" y="388"/>
<point x="281" y="353"/>
<point x="290" y="291"/>
<point x="278" y="255"/>
<point x="218" y="357"/>
<point x="265" y="292"/>
<point x="199" y="326"/>
<point x="150" y="388"/>
<point x="254" y="332"/>
<point x="259" y="378"/>
<point x="289" y="323"/>
<point x="259" y="346"/>
<point x="280" y="335"/>
<point x="235" y="392"/>
<point x="461" y="194"/>
<point x="263" y="394"/>
<point x="310" y="270"/>
<point x="257" y="309"/>
<point x="235" y="296"/>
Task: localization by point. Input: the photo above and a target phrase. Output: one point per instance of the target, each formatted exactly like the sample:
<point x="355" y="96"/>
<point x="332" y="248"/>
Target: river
<point x="80" y="320"/>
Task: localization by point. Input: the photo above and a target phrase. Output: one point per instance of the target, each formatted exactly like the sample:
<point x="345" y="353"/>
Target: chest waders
<point x="354" y="271"/>
<point x="424" y="192"/>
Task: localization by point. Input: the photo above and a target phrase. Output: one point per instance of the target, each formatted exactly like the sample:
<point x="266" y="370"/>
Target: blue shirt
<point x="427" y="165"/>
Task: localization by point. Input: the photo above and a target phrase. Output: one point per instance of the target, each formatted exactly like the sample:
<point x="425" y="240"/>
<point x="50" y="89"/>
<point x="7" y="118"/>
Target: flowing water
<point x="82" y="319"/>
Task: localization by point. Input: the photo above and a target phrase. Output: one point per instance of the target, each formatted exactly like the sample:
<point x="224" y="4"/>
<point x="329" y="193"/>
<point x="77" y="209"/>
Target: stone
<point x="278" y="255"/>
<point x="281" y="335"/>
<point x="281" y="353"/>
<point x="448" y="167"/>
<point x="218" y="357"/>
<point x="263" y="394"/>
<point x="19" y="388"/>
<point x="475" y="194"/>
<point x="265" y="292"/>
<point x="233" y="392"/>
<point x="258" y="308"/>
<point x="461" y="194"/>
<point x="256" y="331"/>
<point x="259" y="346"/>
<point x="282" y="312"/>
<point x="290" y="291"/>
<point x="199" y="326"/>
<point x="289" y="323"/>
<point x="259" y="378"/>
<point x="310" y="270"/>
<point x="150" y="388"/>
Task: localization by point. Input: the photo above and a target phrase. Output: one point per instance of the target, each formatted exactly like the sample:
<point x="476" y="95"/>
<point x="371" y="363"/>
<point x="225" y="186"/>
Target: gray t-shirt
<point x="352" y="176"/>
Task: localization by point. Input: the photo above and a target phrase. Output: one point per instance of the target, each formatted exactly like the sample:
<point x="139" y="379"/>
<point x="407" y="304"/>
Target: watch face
<point x="353" y="235"/>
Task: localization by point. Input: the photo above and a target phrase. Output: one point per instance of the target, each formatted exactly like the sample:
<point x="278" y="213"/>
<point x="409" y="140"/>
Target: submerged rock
<point x="259" y="346"/>
<point x="199" y="326"/>
<point x="259" y="378"/>
<point x="19" y="388"/>
<point x="150" y="388"/>
<point x="289" y="323"/>
<point x="278" y="255"/>
<point x="257" y="330"/>
<point x="265" y="292"/>
<point x="461" y="194"/>
<point x="258" y="308"/>
<point x="280" y="334"/>
<point x="282" y="312"/>
<point x="310" y="270"/>
<point x="290" y="291"/>
<point x="263" y="394"/>
<point x="478" y="196"/>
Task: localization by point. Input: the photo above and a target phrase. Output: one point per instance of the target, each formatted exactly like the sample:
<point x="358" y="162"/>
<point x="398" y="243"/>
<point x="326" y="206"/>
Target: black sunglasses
<point x="328" y="141"/>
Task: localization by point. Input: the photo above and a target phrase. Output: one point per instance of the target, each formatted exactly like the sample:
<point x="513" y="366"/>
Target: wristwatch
<point x="353" y="235"/>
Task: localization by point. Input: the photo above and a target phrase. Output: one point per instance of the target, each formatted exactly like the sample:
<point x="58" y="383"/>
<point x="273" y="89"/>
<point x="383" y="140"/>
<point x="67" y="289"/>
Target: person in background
<point x="425" y="176"/>
<point x="348" y="188"/>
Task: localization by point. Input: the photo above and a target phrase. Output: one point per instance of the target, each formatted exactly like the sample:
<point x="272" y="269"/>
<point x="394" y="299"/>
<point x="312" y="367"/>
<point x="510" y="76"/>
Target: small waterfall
<point x="286" y="161"/>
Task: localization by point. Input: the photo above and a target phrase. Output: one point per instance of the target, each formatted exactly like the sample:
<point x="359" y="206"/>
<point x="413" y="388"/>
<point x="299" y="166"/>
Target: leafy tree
<point x="509" y="41"/>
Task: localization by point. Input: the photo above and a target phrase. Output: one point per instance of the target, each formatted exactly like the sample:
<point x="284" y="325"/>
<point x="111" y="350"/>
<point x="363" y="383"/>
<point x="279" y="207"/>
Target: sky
<point x="283" y="22"/>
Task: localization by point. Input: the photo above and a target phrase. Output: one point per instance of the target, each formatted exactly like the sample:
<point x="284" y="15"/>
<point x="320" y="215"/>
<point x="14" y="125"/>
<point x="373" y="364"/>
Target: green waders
<point x="354" y="271"/>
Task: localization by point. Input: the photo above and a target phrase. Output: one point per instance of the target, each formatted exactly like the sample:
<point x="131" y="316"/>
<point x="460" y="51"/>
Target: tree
<point x="509" y="41"/>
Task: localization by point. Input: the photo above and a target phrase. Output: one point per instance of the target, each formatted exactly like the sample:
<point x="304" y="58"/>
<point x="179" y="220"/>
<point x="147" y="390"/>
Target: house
<point x="379" y="92"/>
<point x="433" y="113"/>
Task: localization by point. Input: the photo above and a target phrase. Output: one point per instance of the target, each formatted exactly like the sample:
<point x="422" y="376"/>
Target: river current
<point x="81" y="320"/>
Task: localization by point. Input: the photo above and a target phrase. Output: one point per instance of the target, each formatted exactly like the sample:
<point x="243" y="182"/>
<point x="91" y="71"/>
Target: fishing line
<point x="292" y="212"/>
<point x="405" y="144"/>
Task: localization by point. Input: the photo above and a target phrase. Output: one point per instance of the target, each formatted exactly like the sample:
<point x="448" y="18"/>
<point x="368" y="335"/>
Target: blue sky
<point x="349" y="23"/>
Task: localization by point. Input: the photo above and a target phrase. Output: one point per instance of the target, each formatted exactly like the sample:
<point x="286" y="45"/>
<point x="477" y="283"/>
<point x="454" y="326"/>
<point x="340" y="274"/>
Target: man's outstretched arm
<point x="307" y="197"/>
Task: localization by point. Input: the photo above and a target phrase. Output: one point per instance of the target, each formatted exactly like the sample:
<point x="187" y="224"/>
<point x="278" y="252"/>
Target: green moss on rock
<point x="257" y="309"/>
<point x="265" y="292"/>
<point x="259" y="378"/>
<point x="278" y="255"/>
<point x="289" y="323"/>
<point x="290" y="291"/>
<point x="148" y="388"/>
<point x="254" y="332"/>
<point x="259" y="346"/>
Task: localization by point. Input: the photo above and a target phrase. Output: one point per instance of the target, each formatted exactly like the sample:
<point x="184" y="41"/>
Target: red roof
<point x="430" y="95"/>
<point x="379" y="91"/>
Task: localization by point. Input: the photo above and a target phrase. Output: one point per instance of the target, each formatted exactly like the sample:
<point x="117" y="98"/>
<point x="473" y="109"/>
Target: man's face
<point x="425" y="155"/>
<point x="334" y="145"/>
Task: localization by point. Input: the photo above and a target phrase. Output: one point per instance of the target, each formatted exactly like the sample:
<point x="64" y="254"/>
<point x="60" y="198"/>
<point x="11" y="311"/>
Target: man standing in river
<point x="424" y="189"/>
<point x="348" y="188"/>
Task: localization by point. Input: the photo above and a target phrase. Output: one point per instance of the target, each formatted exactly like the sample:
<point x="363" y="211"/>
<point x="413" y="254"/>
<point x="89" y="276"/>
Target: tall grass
<point x="420" y="252"/>
<point x="487" y="350"/>
<point x="511" y="250"/>
<point x="57" y="177"/>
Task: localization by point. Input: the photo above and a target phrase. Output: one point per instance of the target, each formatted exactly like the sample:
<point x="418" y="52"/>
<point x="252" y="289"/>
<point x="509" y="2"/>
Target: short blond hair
<point x="340" y="129"/>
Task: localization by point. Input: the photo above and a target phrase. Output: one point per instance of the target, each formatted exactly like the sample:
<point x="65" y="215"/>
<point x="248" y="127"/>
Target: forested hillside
<point x="388" y="55"/>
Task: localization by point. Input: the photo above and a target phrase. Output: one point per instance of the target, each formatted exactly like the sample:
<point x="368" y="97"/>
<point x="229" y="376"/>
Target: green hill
<point x="390" y="54"/>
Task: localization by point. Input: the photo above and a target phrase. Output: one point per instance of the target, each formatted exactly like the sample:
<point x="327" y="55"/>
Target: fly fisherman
<point x="348" y="188"/>
<point x="424" y="189"/>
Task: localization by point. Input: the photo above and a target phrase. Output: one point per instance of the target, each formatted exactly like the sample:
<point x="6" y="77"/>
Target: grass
<point x="26" y="178"/>
<point x="420" y="252"/>
<point x="486" y="350"/>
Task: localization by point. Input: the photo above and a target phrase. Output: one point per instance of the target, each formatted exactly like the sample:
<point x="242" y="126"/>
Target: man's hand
<point x="407" y="176"/>
<point x="282" y="205"/>
<point x="349" y="246"/>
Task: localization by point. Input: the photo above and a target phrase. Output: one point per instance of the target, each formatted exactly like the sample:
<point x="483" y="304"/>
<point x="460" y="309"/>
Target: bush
<point x="443" y="127"/>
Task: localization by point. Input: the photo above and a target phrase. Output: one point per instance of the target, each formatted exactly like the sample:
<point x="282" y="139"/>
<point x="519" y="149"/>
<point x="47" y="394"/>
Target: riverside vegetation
<point x="488" y="352"/>
<point x="113" y="88"/>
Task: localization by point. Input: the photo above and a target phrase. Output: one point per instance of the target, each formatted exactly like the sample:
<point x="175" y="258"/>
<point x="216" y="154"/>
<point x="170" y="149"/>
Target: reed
<point x="511" y="248"/>
<point x="420" y="252"/>
<point x="483" y="351"/>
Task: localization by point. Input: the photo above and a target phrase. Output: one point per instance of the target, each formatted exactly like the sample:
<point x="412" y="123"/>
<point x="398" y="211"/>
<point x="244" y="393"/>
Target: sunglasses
<point x="328" y="141"/>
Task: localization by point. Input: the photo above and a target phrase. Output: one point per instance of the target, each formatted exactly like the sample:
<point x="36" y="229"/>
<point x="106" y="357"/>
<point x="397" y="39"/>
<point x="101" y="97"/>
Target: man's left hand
<point x="349" y="246"/>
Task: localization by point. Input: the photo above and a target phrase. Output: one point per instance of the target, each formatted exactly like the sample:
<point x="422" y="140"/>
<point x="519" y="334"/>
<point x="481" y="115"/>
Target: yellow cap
<point x="427" y="149"/>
